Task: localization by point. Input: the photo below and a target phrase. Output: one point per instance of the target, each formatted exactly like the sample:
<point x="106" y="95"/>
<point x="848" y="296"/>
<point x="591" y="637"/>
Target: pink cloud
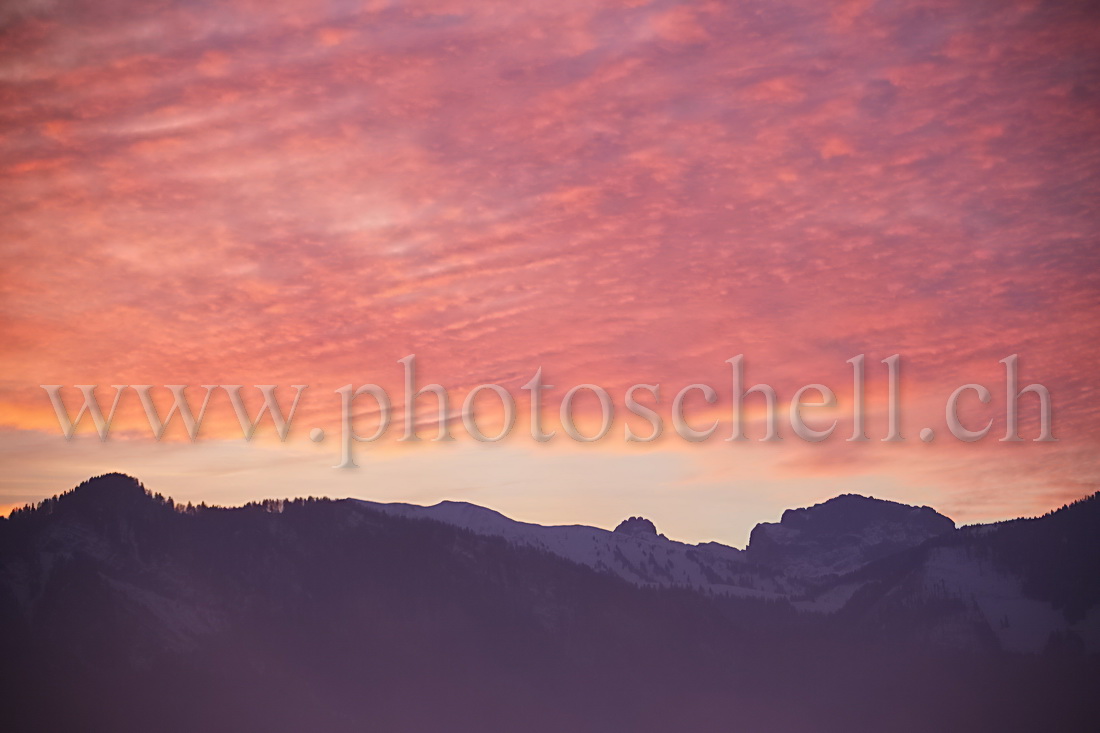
<point x="620" y="192"/>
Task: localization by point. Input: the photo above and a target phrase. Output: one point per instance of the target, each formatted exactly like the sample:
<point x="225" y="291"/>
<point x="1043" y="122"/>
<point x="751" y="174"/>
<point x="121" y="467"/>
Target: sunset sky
<point x="247" y="192"/>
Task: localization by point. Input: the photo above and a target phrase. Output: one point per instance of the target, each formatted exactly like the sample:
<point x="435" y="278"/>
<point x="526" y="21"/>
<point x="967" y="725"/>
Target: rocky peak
<point x="853" y="513"/>
<point x="637" y="527"/>
<point x="843" y="533"/>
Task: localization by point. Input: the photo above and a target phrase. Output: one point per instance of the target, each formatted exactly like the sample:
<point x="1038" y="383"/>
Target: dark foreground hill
<point x="122" y="612"/>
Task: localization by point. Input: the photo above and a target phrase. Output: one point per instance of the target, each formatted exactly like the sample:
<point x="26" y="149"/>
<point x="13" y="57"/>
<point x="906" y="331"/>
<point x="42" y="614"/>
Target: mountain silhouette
<point x="122" y="611"/>
<point x="843" y="534"/>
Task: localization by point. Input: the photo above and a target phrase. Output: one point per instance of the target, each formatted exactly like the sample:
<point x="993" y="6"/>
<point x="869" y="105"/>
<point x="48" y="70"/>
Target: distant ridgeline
<point x="122" y="611"/>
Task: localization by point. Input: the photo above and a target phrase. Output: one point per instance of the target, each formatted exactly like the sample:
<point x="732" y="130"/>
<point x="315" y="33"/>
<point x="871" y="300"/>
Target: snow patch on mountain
<point x="633" y="552"/>
<point x="805" y="551"/>
<point x="1021" y="624"/>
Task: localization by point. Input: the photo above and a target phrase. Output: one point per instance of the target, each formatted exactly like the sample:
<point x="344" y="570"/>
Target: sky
<point x="617" y="193"/>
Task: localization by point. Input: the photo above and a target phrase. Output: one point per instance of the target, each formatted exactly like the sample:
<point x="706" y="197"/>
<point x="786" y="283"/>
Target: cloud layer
<point x="619" y="192"/>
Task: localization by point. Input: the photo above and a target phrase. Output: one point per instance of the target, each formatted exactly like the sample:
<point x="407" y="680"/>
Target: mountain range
<point x="123" y="611"/>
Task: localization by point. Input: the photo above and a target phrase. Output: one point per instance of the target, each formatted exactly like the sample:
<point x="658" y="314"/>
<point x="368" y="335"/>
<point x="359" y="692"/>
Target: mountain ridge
<point x="324" y="614"/>
<point x="824" y="559"/>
